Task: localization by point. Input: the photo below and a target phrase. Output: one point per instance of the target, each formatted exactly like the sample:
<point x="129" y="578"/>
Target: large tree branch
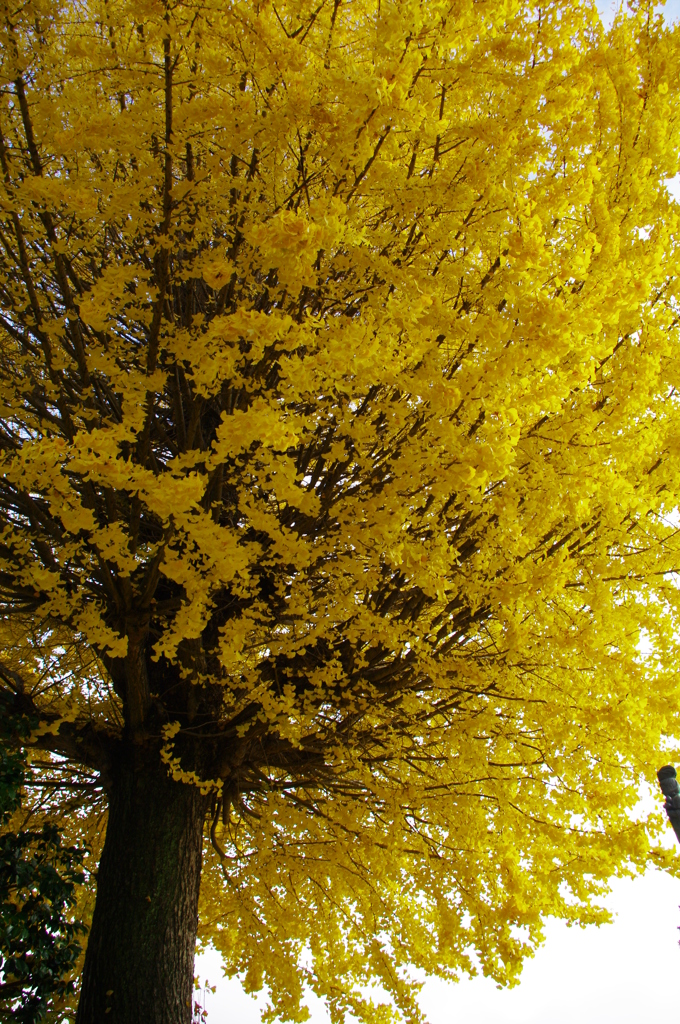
<point x="79" y="740"/>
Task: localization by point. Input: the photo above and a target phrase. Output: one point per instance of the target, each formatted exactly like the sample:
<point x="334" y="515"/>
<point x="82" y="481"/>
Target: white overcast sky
<point x="621" y="973"/>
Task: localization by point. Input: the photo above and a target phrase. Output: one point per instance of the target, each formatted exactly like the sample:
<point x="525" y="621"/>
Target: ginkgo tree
<point x="339" y="438"/>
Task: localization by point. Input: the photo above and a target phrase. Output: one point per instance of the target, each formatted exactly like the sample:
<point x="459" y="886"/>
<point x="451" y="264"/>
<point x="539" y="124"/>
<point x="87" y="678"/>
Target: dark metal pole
<point x="669" y="787"/>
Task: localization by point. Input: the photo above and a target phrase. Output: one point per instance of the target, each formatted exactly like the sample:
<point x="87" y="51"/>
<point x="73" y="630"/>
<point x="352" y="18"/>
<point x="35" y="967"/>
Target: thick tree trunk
<point x="140" y="954"/>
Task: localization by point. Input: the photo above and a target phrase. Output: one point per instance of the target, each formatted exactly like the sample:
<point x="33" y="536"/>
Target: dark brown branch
<point x="369" y="164"/>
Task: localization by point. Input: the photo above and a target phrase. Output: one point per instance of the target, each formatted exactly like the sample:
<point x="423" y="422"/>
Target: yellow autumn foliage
<point x="340" y="437"/>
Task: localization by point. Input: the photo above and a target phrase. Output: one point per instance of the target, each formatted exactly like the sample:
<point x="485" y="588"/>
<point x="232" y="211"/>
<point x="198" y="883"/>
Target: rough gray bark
<point x="140" y="955"/>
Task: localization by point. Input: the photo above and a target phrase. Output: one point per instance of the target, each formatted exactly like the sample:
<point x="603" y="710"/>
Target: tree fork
<point x="140" y="955"/>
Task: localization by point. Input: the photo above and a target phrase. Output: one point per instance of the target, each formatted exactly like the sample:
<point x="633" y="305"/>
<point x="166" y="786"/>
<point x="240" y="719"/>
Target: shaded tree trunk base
<point x="140" y="956"/>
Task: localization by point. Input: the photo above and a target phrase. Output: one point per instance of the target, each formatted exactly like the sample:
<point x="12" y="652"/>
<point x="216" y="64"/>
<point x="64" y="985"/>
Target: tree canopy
<point x="339" y="438"/>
